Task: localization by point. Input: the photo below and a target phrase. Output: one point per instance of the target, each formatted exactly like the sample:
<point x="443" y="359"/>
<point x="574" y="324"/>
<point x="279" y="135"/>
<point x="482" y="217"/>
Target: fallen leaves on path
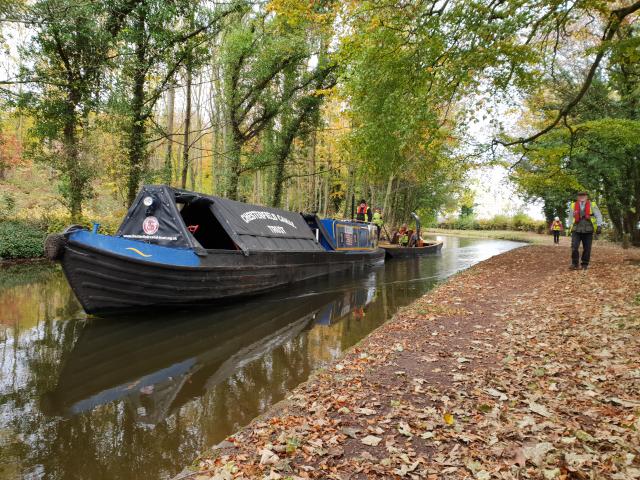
<point x="514" y="369"/>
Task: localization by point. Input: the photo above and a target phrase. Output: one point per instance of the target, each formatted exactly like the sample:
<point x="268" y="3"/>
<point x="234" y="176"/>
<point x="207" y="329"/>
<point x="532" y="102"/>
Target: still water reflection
<point x="137" y="398"/>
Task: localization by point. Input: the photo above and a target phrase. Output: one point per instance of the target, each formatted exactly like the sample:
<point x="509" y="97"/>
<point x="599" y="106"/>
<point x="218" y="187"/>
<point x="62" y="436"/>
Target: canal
<point x="139" y="397"/>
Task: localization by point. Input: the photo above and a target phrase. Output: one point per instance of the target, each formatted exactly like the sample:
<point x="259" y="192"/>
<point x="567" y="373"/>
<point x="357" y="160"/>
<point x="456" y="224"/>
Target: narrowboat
<point x="417" y="246"/>
<point x="396" y="251"/>
<point x="177" y="248"/>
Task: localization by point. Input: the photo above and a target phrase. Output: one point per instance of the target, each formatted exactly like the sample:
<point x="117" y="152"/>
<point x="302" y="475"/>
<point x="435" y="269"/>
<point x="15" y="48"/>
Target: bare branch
<point x="615" y="21"/>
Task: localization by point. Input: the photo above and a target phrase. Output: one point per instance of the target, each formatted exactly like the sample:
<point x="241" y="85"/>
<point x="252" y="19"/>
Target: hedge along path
<point x="515" y="368"/>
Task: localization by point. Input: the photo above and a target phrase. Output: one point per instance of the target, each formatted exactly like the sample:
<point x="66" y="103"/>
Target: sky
<point x="495" y="194"/>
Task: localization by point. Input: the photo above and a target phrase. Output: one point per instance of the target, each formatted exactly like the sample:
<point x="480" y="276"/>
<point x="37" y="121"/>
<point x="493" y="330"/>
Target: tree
<point x="597" y="147"/>
<point x="265" y="73"/>
<point x="557" y="23"/>
<point x="160" y="39"/>
<point x="406" y="68"/>
<point x="64" y="65"/>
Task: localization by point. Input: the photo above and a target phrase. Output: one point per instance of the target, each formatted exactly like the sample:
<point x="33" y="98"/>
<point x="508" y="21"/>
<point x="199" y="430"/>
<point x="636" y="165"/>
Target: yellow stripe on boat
<point x="138" y="252"/>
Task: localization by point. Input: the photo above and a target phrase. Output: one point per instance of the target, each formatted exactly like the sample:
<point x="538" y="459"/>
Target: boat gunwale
<point x="330" y="254"/>
<point x="393" y="251"/>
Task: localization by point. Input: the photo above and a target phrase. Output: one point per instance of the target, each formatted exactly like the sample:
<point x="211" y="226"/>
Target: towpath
<point x="515" y="368"/>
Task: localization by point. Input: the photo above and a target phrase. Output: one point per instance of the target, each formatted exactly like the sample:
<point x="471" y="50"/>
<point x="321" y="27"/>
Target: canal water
<point x="139" y="397"/>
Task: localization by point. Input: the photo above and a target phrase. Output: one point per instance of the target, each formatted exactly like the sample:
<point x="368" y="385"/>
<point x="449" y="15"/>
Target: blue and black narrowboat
<point x="181" y="248"/>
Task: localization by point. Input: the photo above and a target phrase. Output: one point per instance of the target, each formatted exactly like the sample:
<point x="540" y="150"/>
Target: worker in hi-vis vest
<point x="584" y="219"/>
<point x="363" y="214"/>
<point x="556" y="228"/>
<point x="377" y="221"/>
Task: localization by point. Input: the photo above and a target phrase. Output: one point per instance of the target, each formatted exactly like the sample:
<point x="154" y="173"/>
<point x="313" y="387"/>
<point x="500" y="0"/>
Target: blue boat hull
<point x="112" y="274"/>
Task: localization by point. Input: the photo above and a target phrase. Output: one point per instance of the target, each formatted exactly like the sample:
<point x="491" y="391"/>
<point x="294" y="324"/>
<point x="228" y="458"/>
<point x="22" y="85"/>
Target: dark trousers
<point x="556" y="236"/>
<point x="586" y="239"/>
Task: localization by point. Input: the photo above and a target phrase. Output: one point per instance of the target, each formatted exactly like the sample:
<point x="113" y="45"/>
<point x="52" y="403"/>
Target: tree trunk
<point x="325" y="205"/>
<point x="168" y="159"/>
<point x="278" y="181"/>
<point x="187" y="126"/>
<point x="235" y="164"/>
<point x="631" y="224"/>
<point x="137" y="130"/>
<point x="386" y="196"/>
<point x="346" y="213"/>
<point x="72" y="161"/>
<point x="313" y="179"/>
<point x="2" y="161"/>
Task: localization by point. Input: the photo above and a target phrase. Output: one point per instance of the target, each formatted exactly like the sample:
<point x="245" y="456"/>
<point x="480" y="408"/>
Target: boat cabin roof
<point x="168" y="216"/>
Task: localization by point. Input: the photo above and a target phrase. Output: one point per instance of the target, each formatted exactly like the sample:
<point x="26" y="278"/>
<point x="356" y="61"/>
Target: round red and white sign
<point x="150" y="225"/>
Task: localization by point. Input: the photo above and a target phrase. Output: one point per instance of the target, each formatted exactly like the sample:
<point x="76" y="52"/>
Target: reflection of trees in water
<point x="258" y="385"/>
<point x="25" y="306"/>
<point x="110" y="441"/>
<point x="30" y="368"/>
<point x="26" y="274"/>
<point x="150" y="433"/>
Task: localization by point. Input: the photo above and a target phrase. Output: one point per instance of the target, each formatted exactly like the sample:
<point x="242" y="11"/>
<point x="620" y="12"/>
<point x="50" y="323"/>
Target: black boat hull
<point x="105" y="282"/>
<point x="411" y="252"/>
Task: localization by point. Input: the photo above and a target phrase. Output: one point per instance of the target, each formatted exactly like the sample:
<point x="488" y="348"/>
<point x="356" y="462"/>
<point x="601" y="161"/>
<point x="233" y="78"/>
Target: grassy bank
<point x="528" y="237"/>
<point x="518" y="382"/>
<point x="22" y="238"/>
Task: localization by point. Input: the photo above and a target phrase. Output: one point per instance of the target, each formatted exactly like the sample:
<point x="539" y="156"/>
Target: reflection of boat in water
<point x="157" y="365"/>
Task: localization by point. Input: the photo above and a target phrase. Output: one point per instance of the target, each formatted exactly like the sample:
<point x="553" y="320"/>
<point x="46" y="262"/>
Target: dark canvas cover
<point x="155" y="218"/>
<point x="264" y="228"/>
<point x="159" y="222"/>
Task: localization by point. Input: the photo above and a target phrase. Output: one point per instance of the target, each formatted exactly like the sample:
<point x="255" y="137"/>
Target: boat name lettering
<point x="258" y="215"/>
<point x="151" y="237"/>
<point x="277" y="229"/>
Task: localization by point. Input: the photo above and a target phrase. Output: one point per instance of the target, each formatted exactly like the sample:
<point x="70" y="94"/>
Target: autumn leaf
<point x="371" y="440"/>
<point x="448" y="418"/>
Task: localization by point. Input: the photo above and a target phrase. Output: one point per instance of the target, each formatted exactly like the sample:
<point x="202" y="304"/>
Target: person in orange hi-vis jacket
<point x="556" y="229"/>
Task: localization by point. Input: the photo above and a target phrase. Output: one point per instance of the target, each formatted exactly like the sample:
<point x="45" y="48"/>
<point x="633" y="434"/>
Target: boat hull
<point x="411" y="252"/>
<point x="109" y="282"/>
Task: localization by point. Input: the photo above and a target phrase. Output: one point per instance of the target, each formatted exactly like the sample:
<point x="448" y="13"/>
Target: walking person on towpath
<point x="585" y="219"/>
<point x="556" y="228"/>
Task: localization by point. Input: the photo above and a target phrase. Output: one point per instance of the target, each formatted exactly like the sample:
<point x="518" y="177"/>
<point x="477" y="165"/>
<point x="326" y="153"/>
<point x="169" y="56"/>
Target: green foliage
<point x="271" y="89"/>
<point x="406" y="68"/>
<point x="402" y="75"/>
<point x="7" y="205"/>
<point x="21" y="239"/>
<point x="497" y="222"/>
<point x="600" y="155"/>
<point x="158" y="40"/>
<point x="64" y="64"/>
<point x="57" y="224"/>
<point x="519" y="222"/>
